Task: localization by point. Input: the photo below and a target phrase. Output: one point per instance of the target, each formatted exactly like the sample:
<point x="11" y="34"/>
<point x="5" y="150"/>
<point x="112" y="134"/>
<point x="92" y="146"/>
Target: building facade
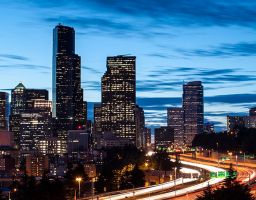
<point x="30" y="118"/>
<point x="67" y="94"/>
<point x="4" y="101"/>
<point x="234" y="123"/>
<point x="175" y="120"/>
<point x="119" y="98"/>
<point x="164" y="137"/>
<point x="193" y="108"/>
<point x="140" y="125"/>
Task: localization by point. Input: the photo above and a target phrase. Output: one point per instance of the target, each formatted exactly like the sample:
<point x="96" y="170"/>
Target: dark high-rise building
<point x="234" y="123"/>
<point x="193" y="107"/>
<point x="164" y="137"/>
<point x="147" y="137"/>
<point x="4" y="101"/>
<point x="140" y="125"/>
<point x="67" y="94"/>
<point x="30" y="118"/>
<point x="119" y="97"/>
<point x="175" y="120"/>
<point x="252" y="112"/>
<point x="97" y="129"/>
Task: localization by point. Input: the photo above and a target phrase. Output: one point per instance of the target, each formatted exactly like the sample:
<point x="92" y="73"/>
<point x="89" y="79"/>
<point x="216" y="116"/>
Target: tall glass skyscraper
<point x="119" y="98"/>
<point x="193" y="108"/>
<point x="67" y="94"/>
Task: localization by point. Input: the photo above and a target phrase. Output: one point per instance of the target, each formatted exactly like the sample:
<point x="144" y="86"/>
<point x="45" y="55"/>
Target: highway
<point x="246" y="171"/>
<point x="193" y="188"/>
<point x="146" y="190"/>
<point x="151" y="194"/>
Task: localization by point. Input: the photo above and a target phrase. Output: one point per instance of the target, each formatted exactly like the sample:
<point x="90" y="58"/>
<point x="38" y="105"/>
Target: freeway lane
<point x="244" y="173"/>
<point x="148" y="190"/>
<point x="191" y="189"/>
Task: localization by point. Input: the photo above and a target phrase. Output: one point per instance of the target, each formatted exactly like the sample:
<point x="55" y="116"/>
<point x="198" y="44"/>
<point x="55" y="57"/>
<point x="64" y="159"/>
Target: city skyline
<point x="164" y="58"/>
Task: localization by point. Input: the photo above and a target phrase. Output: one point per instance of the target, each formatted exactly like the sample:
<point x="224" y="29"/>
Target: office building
<point x="252" y="112"/>
<point x="175" y="120"/>
<point x="35" y="125"/>
<point x="147" y="136"/>
<point x="234" y="123"/>
<point x="6" y="138"/>
<point x="164" y="137"/>
<point x="4" y="101"/>
<point x="79" y="145"/>
<point x="140" y="125"/>
<point x="209" y="128"/>
<point x="30" y="115"/>
<point x="36" y="164"/>
<point x="119" y="97"/>
<point x="193" y="108"/>
<point x="51" y="146"/>
<point x="67" y="94"/>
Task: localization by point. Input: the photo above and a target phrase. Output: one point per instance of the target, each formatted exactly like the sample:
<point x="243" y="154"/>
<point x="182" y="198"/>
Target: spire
<point x="20" y="85"/>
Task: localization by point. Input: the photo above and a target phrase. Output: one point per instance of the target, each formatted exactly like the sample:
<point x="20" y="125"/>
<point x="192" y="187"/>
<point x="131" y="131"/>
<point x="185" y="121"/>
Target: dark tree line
<point x="116" y="172"/>
<point x="28" y="188"/>
<point x="244" y="140"/>
<point x="121" y="169"/>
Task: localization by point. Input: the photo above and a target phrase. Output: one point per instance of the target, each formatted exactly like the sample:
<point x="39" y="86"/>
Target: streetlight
<point x="236" y="163"/>
<point x="93" y="180"/>
<point x="175" y="168"/>
<point x="133" y="189"/>
<point x="218" y="153"/>
<point x="79" y="179"/>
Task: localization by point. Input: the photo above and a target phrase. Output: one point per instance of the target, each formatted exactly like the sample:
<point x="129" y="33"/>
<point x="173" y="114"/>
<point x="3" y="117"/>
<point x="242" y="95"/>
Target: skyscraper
<point x="4" y="100"/>
<point x="193" y="107"/>
<point x="140" y="125"/>
<point x="175" y="120"/>
<point x="164" y="137"/>
<point x="119" y="97"/>
<point x="67" y="94"/>
<point x="252" y="112"/>
<point x="30" y="118"/>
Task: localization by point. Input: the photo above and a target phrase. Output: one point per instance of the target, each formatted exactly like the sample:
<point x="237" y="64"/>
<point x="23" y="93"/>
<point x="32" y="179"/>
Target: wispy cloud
<point x="146" y="16"/>
<point x="223" y="50"/>
<point x="91" y="85"/>
<point x="23" y="66"/>
<point x="14" y="57"/>
<point x="90" y="69"/>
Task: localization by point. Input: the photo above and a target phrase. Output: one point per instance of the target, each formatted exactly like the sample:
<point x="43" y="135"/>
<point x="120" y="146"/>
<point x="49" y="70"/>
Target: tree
<point x="137" y="177"/>
<point x="26" y="189"/>
<point x="207" y="194"/>
<point x="231" y="190"/>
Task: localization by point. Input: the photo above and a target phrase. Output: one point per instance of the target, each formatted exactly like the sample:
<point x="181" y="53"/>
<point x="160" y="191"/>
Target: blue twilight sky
<point x="174" y="40"/>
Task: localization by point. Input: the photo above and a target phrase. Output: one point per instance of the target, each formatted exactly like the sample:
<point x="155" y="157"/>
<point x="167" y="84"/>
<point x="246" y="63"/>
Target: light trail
<point x="191" y="188"/>
<point x="148" y="190"/>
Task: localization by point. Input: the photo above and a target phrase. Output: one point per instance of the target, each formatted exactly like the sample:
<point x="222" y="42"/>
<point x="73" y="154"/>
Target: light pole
<point x="93" y="180"/>
<point x="236" y="163"/>
<point x="218" y="153"/>
<point x="175" y="168"/>
<point x="79" y="179"/>
<point x="133" y="190"/>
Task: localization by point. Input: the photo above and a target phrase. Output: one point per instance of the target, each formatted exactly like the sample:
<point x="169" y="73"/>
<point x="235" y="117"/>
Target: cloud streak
<point x="224" y="50"/>
<point x="14" y="57"/>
